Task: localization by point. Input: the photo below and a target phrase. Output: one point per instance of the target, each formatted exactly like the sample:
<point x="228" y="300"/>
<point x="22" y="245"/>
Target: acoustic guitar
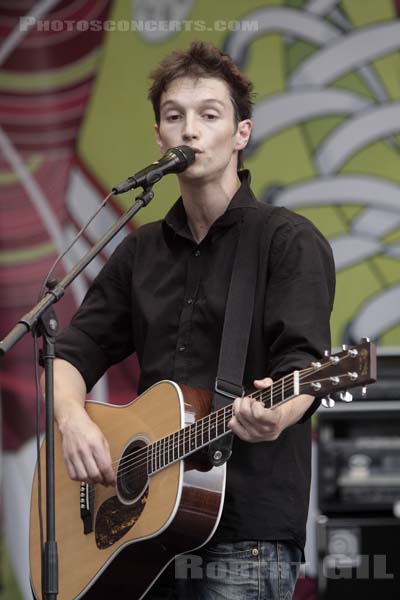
<point x="115" y="542"/>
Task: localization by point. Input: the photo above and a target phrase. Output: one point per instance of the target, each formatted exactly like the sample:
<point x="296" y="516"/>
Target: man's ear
<point x="158" y="137"/>
<point x="242" y="133"/>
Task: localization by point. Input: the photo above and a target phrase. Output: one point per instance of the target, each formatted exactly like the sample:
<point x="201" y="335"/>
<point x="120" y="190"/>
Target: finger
<point x="236" y="405"/>
<point x="94" y="472"/>
<point x="245" y="413"/>
<point x="269" y="417"/>
<point x="245" y="418"/>
<point x="76" y="469"/>
<point x="239" y="430"/>
<point x="71" y="470"/>
<point x="258" y="411"/>
<point x="104" y="463"/>
<point x="261" y="384"/>
<point x="86" y="465"/>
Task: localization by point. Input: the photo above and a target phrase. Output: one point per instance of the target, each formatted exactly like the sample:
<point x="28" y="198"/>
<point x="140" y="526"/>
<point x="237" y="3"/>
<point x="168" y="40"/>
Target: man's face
<point x="199" y="113"/>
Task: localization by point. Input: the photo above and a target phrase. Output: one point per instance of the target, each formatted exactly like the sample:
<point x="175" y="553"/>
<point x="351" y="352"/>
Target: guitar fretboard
<point x="191" y="438"/>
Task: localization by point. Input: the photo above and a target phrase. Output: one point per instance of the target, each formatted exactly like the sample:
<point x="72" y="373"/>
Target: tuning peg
<point x="365" y="340"/>
<point x="346" y="396"/>
<point x="328" y="402"/>
<point x="327" y="353"/>
<point x="364" y="391"/>
<point x="345" y="346"/>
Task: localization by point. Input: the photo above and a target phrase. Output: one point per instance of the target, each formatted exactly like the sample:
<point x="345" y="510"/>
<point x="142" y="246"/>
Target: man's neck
<point x="204" y="203"/>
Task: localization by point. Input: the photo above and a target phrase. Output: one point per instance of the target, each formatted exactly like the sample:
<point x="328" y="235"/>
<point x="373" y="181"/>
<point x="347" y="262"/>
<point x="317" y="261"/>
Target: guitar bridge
<point x="86" y="506"/>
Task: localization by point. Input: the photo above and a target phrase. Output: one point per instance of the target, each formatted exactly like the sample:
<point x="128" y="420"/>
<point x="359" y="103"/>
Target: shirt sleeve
<point x="101" y="332"/>
<point x="299" y="299"/>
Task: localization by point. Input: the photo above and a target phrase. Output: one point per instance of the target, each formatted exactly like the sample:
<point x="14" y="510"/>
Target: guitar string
<point x="130" y="461"/>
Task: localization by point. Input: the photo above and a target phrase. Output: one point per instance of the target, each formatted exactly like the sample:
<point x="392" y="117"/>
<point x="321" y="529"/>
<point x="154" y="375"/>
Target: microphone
<point x="175" y="160"/>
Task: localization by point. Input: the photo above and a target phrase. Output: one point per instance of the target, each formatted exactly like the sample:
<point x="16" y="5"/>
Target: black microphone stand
<point x="43" y="319"/>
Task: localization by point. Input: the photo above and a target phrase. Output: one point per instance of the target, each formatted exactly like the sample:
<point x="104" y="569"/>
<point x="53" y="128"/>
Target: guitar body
<point x="132" y="537"/>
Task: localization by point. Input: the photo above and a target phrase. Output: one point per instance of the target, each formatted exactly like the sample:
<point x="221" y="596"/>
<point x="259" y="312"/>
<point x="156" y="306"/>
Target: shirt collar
<point x="242" y="199"/>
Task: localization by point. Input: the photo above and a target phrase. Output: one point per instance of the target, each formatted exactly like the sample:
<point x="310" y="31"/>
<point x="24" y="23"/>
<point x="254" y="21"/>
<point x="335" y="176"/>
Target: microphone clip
<point x="146" y="196"/>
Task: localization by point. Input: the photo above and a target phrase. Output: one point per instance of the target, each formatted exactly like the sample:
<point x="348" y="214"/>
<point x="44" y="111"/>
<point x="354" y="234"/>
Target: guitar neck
<point x="188" y="440"/>
<point x="352" y="367"/>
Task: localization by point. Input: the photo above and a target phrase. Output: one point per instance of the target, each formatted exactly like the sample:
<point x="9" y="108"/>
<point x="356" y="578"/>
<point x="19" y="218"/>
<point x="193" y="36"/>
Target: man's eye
<point x="210" y="116"/>
<point x="172" y="117"/>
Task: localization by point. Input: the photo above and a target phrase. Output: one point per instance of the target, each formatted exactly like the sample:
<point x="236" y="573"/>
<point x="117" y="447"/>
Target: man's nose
<point x="190" y="129"/>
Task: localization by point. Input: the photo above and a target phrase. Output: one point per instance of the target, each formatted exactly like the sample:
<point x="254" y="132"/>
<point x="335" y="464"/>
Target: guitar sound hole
<point x="132" y="471"/>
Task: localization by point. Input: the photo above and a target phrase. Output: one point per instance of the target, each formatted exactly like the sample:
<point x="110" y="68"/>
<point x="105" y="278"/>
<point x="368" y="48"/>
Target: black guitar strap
<point x="236" y="331"/>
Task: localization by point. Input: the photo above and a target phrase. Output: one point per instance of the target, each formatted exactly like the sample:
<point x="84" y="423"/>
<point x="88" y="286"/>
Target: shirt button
<point x="197" y="252"/>
<point x="254" y="551"/>
<point x="189" y="301"/>
<point x="182" y="348"/>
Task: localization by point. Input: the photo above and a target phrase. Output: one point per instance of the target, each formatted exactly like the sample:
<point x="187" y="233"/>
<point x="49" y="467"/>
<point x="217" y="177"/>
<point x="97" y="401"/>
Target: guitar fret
<point x="225" y="419"/>
<point x="193" y="440"/>
<point x="162" y="453"/>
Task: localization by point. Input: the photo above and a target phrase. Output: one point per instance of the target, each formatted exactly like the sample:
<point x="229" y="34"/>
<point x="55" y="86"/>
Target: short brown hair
<point x="202" y="59"/>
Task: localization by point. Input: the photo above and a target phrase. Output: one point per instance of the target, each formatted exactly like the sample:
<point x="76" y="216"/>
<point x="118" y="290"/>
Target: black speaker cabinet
<point x="358" y="557"/>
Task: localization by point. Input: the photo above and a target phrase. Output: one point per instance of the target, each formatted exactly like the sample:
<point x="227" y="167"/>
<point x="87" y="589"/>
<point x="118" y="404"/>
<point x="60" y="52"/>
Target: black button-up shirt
<point x="163" y="296"/>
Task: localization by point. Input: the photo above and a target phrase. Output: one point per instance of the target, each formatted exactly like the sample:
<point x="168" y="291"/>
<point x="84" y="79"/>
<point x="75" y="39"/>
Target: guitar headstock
<point x="353" y="367"/>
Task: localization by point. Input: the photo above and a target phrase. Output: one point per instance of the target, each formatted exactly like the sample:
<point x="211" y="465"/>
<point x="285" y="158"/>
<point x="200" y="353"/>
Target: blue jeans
<point x="233" y="571"/>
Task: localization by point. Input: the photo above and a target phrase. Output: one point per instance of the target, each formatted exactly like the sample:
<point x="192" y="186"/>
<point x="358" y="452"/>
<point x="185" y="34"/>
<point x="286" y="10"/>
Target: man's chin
<point x="193" y="173"/>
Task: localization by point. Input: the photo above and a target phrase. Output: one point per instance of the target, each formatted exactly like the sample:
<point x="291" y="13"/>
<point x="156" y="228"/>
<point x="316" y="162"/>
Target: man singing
<point x="163" y="294"/>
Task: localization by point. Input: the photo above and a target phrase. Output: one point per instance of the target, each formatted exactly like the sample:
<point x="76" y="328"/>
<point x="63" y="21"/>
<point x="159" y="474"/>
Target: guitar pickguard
<point x="114" y="520"/>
